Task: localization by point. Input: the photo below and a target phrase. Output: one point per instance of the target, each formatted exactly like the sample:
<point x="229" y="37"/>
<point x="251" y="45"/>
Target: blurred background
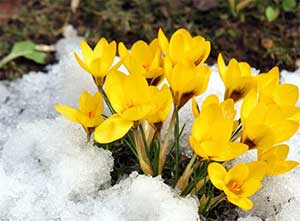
<point x="263" y="33"/>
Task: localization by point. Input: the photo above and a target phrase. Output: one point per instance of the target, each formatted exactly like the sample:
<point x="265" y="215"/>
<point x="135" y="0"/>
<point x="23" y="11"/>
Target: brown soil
<point x="248" y="37"/>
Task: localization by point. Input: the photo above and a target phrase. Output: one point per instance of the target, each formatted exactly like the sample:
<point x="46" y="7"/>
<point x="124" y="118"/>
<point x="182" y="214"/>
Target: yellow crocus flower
<point x="187" y="80"/>
<point x="97" y="62"/>
<point x="227" y="106"/>
<point x="184" y="47"/>
<point x="237" y="78"/>
<point x="264" y="124"/>
<point x="239" y="183"/>
<point x="144" y="59"/>
<point x="163" y="103"/>
<point x="284" y="95"/>
<point x="133" y="100"/>
<point x="211" y="133"/>
<point x="89" y="113"/>
<point x="275" y="158"/>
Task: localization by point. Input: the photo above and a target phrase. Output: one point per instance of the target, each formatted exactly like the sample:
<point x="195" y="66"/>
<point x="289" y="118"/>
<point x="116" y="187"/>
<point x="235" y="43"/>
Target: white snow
<point x="49" y="172"/>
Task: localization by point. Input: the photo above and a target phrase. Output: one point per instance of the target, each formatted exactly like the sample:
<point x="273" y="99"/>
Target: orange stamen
<point x="90" y="114"/>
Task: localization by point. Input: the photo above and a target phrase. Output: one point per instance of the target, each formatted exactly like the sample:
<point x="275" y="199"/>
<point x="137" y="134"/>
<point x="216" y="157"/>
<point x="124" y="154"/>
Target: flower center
<point x="146" y="67"/>
<point x="234" y="187"/>
<point x="90" y="114"/>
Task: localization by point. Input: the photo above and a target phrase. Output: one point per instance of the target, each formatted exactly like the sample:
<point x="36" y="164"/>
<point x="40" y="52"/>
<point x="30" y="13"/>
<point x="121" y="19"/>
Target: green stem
<point x="183" y="180"/>
<point x="216" y="200"/>
<point x="144" y="137"/>
<point x="141" y="152"/>
<point x="156" y="156"/>
<point x="176" y="136"/>
<point x="7" y="59"/>
<point x="104" y="95"/>
<point x="131" y="147"/>
<point x="164" y="147"/>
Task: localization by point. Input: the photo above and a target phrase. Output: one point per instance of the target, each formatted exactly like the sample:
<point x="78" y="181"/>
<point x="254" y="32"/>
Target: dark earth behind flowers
<point x="247" y="36"/>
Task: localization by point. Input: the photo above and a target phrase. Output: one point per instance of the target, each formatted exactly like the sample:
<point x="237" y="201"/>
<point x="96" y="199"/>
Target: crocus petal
<point x="99" y="49"/>
<point x="280" y="167"/>
<point x="266" y="81"/>
<point x="108" y="57"/>
<point x="84" y="101"/>
<point x="163" y="41"/>
<point x="114" y="87"/>
<point x="257" y="170"/>
<point x="197" y="148"/>
<point x="123" y="52"/>
<point x="67" y="112"/>
<point x="222" y="67"/>
<point x="195" y="108"/>
<point x="243" y="203"/>
<point x="286" y="94"/>
<point x="86" y="51"/>
<point x="217" y="174"/>
<point x="250" y="187"/>
<point x="285" y="130"/>
<point x="249" y="104"/>
<point x="238" y="173"/>
<point x="112" y="129"/>
<point x="82" y="64"/>
<point x="245" y="69"/>
<point x="137" y="113"/>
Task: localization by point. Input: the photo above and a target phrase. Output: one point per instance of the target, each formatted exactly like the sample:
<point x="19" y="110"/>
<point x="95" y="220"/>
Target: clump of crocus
<point x="184" y="67"/>
<point x="133" y="101"/>
<point x="140" y="103"/>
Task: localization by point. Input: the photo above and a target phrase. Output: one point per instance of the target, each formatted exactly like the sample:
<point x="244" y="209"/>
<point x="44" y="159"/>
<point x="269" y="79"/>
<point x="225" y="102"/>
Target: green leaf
<point x="23" y="47"/>
<point x="37" y="56"/>
<point x="272" y="13"/>
<point x="288" y="5"/>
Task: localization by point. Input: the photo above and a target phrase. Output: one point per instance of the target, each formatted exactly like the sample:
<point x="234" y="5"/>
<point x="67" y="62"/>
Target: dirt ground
<point x="248" y="36"/>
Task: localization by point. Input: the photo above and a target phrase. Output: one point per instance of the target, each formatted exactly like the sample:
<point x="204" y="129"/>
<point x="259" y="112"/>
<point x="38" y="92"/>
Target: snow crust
<point x="49" y="172"/>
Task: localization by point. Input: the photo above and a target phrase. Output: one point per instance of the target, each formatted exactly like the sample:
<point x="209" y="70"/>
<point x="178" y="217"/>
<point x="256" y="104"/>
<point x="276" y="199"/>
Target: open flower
<point x="97" y="62"/>
<point x="211" y="133"/>
<point x="275" y="158"/>
<point x="89" y="114"/>
<point x="184" y="47"/>
<point x="264" y="124"/>
<point x="144" y="59"/>
<point x="133" y="100"/>
<point x="240" y="182"/>
<point x="187" y="80"/>
<point x="284" y="95"/>
<point x="237" y="78"/>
